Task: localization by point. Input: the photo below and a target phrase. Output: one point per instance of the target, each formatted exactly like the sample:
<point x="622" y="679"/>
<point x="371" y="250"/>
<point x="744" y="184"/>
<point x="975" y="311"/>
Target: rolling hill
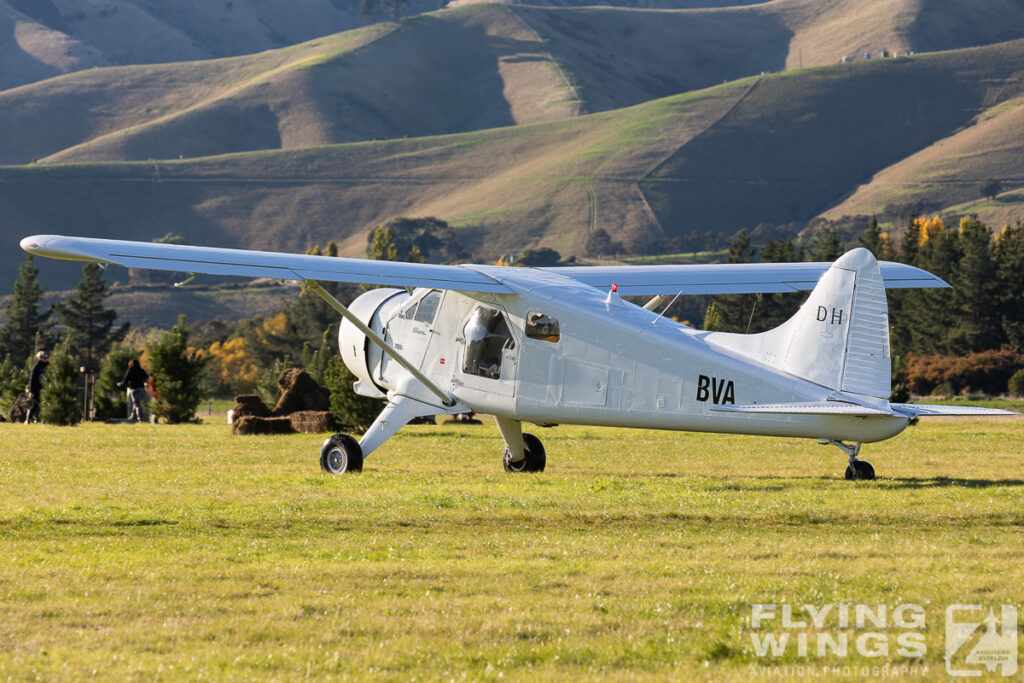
<point x="946" y="175"/>
<point x="470" y="68"/>
<point x="44" y="38"/>
<point x="778" y="148"/>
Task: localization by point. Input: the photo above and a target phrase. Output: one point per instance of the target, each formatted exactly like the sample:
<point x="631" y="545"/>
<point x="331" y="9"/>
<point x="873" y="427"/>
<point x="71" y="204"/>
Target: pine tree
<point x="735" y="312"/>
<point x="975" y="294"/>
<point x="315" y="360"/>
<point x="1009" y="257"/>
<point x="25" y="322"/>
<point x="89" y="323"/>
<point x="383" y="247"/>
<point x="111" y="400"/>
<point x="178" y="372"/>
<point x="827" y="246"/>
<point x="415" y="255"/>
<point x="775" y="309"/>
<point x="930" y="314"/>
<point x="910" y="246"/>
<point x="876" y="241"/>
<point x="352" y="411"/>
<point x="59" y="399"/>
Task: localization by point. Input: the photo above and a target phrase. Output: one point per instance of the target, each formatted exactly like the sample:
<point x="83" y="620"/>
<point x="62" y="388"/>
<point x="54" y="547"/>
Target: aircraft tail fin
<point x="840" y="336"/>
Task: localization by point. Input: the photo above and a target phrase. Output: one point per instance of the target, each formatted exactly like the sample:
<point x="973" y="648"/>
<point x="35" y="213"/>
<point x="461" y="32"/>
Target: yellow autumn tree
<point x="929" y="228"/>
<point x="233" y="366"/>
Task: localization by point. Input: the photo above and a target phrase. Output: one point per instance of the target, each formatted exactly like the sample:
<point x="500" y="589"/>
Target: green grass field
<point x="153" y="552"/>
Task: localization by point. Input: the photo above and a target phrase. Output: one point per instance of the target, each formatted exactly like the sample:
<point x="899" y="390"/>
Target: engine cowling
<point x="362" y="357"/>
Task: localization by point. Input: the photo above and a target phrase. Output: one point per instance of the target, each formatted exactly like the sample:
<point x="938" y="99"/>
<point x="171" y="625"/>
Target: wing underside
<point x="631" y="280"/>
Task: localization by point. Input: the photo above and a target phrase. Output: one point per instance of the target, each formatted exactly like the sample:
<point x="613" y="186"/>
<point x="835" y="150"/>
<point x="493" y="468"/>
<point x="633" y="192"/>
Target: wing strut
<point x="378" y="340"/>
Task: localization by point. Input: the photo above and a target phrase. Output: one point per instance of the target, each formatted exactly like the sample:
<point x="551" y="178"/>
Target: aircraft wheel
<point x="535" y="457"/>
<point x="864" y="471"/>
<point x="341" y="453"/>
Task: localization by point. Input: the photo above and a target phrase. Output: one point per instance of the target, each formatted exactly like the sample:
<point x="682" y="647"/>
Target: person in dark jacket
<point x="135" y="380"/>
<point x="35" y="385"/>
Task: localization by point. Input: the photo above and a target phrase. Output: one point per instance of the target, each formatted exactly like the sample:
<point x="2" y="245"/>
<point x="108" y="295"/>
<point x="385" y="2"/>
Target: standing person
<point x="35" y="385"/>
<point x="135" y="380"/>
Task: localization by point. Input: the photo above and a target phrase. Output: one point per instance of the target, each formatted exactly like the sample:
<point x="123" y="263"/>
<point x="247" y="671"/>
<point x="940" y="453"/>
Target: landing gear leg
<point x="523" y="452"/>
<point x="341" y="453"/>
<point x="856" y="469"/>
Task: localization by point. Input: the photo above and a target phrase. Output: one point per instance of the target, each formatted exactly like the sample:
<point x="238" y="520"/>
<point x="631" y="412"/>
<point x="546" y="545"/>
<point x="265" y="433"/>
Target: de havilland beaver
<point x="560" y="346"/>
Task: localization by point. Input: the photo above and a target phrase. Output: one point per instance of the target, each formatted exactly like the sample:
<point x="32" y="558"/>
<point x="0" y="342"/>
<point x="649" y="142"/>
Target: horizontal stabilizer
<point x="921" y="410"/>
<point x="804" y="408"/>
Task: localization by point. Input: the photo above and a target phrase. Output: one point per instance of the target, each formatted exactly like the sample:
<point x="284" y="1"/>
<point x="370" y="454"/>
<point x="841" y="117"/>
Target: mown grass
<point x="152" y="552"/>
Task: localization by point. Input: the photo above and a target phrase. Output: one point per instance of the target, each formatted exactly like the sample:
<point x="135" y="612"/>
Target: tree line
<point x="979" y="321"/>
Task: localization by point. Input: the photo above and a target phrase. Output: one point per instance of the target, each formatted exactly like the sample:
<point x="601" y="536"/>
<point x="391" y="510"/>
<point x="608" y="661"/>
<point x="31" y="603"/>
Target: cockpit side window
<point x="542" y="327"/>
<point x="487" y="336"/>
<point x="425" y="309"/>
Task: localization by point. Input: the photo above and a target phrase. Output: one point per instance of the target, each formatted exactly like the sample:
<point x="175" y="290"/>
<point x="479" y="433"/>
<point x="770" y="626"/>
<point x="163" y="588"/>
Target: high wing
<point x="248" y="263"/>
<point x="632" y="280"/>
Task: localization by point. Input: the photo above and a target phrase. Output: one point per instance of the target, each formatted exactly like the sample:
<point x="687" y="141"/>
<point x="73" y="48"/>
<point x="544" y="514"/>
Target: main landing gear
<point x="523" y="452"/>
<point x="533" y="459"/>
<point x="857" y="469"/>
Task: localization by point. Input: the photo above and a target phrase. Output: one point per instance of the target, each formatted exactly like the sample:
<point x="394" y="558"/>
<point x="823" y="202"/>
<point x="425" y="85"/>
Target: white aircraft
<point x="560" y="345"/>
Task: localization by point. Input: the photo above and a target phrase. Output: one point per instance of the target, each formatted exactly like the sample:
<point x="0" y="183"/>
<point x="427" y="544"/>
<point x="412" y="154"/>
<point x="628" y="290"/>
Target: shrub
<point x="59" y="398"/>
<point x="1015" y="387"/>
<point x="178" y="373"/>
<point x="13" y="380"/>
<point x="352" y="411"/>
<point x="985" y="371"/>
<point x="541" y="256"/>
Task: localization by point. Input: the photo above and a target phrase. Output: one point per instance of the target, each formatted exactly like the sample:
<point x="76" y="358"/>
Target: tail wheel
<point x="341" y="453"/>
<point x="859" y="469"/>
<point x="534" y="461"/>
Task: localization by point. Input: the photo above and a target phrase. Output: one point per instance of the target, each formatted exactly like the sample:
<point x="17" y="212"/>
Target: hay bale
<point x="250" y="424"/>
<point x="300" y="392"/>
<point x="313" y="421"/>
<point x="249" y="404"/>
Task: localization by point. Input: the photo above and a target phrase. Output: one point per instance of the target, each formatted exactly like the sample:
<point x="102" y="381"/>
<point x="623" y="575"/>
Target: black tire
<point x="534" y="461"/>
<point x="865" y="471"/>
<point x="340" y="454"/>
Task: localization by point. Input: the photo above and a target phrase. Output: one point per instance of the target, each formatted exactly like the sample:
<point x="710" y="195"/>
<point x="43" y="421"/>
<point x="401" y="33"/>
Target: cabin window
<point x="487" y="337"/>
<point x="425" y="309"/>
<point x="542" y="327"/>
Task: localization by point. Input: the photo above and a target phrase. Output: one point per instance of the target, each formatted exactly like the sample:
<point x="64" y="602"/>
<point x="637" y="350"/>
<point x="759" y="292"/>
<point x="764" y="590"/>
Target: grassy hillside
<point x="67" y="35"/>
<point x="505" y="188"/>
<point x="947" y="174"/>
<point x="762" y="149"/>
<point x="471" y="68"/>
<point x="799" y="142"/>
<point x="31" y="51"/>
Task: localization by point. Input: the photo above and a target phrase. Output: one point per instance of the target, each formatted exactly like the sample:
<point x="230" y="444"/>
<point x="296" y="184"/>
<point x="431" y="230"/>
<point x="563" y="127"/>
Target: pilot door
<point x="411" y="330"/>
<point x="489" y="358"/>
